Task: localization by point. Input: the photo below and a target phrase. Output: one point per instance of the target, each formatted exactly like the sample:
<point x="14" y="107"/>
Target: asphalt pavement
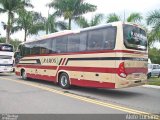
<point x="41" y="97"/>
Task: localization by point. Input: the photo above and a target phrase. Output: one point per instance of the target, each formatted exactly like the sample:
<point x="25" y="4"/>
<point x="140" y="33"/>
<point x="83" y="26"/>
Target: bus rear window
<point x="134" y="37"/>
<point x="8" y="48"/>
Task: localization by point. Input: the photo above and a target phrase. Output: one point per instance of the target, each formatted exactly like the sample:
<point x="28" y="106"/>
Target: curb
<point x="151" y="86"/>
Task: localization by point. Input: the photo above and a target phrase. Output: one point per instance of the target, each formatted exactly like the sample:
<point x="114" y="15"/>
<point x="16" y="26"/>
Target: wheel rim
<point x="64" y="80"/>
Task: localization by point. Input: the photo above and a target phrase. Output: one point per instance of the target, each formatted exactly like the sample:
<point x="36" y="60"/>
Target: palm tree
<point x="113" y="17"/>
<point x="70" y="9"/>
<point x="51" y="25"/>
<point x="96" y="19"/>
<point x="10" y="7"/>
<point x="133" y="17"/>
<point x="30" y="22"/>
<point x="153" y="19"/>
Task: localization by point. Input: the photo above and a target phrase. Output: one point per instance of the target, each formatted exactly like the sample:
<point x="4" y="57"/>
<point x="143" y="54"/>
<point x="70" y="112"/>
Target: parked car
<point x="153" y="70"/>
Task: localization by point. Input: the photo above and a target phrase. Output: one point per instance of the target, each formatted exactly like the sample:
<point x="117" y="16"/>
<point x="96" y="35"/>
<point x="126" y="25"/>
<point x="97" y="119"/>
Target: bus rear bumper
<point x="131" y="83"/>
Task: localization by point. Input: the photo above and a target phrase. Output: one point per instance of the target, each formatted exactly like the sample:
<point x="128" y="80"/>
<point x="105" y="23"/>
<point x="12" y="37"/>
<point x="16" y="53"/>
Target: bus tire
<point x="23" y="74"/>
<point x="149" y="75"/>
<point x="63" y="81"/>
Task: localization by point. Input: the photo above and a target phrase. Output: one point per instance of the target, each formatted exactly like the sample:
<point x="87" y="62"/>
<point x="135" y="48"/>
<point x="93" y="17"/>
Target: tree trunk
<point x="8" y="28"/>
<point x="69" y="24"/>
<point x="25" y="35"/>
<point x="7" y="34"/>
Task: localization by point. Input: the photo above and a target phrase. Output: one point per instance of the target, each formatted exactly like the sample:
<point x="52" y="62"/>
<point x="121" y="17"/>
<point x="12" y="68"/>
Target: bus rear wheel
<point x="23" y="75"/>
<point x="64" y="81"/>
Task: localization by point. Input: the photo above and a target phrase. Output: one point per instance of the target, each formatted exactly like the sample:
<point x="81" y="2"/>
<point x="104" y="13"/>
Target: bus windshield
<point x="6" y="47"/>
<point x="134" y="37"/>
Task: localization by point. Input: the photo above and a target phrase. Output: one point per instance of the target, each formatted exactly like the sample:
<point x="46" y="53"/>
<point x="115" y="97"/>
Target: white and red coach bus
<point x="107" y="56"/>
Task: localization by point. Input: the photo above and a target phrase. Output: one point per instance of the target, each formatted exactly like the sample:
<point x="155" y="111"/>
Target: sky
<point x="120" y="7"/>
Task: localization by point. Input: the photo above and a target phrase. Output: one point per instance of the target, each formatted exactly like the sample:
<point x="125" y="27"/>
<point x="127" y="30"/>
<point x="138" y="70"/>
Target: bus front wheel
<point x="64" y="81"/>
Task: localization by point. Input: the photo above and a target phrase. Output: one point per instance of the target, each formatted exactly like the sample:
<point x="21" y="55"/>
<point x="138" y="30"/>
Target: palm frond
<point x="2" y="10"/>
<point x="153" y="17"/>
<point x="134" y="17"/>
<point x="113" y="18"/>
<point x="82" y="22"/>
<point x="96" y="19"/>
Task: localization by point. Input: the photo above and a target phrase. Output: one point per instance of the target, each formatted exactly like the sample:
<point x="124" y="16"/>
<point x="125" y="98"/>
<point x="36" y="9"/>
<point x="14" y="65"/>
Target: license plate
<point x="136" y="75"/>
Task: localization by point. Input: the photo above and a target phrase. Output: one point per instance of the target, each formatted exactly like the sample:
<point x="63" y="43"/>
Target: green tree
<point x="153" y="19"/>
<point x="70" y="9"/>
<point x="31" y="22"/>
<point x="154" y="55"/>
<point x="51" y="25"/>
<point x="113" y="17"/>
<point x="11" y="7"/>
<point x="95" y="20"/>
<point x="133" y="17"/>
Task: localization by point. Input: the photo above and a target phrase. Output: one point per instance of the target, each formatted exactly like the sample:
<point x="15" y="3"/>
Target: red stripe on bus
<point x="89" y="69"/>
<point x="63" y="61"/>
<point x="17" y="73"/>
<point x="42" y="77"/>
<point x="39" y="66"/>
<point x="136" y="70"/>
<point x="91" y="83"/>
<point x="91" y="52"/>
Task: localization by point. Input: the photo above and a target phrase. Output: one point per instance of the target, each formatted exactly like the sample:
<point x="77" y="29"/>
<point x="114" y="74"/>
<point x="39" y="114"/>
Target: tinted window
<point x="134" y="37"/>
<point x="83" y="41"/>
<point x="20" y="49"/>
<point x="6" y="47"/>
<point x="73" y="43"/>
<point x="35" y="48"/>
<point x="61" y="44"/>
<point x="102" y="39"/>
<point x="45" y="46"/>
<point x="53" y="44"/>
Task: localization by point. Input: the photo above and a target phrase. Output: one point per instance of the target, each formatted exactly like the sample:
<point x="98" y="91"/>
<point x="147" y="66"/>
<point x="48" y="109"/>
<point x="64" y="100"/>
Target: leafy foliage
<point x="51" y="25"/>
<point x="113" y="18"/>
<point x="31" y="22"/>
<point x="154" y="55"/>
<point x="96" y="19"/>
<point x="133" y="17"/>
<point x="11" y="7"/>
<point x="153" y="19"/>
<point x="70" y="9"/>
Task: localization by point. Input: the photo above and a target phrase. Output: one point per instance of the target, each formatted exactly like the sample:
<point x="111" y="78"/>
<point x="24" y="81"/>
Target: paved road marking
<point x="97" y="102"/>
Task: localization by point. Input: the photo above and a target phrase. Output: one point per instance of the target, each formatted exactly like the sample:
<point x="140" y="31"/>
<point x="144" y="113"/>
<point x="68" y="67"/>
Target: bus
<point x="113" y="55"/>
<point x="6" y="58"/>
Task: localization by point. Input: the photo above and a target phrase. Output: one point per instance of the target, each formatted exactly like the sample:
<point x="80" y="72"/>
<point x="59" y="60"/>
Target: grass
<point x="154" y="81"/>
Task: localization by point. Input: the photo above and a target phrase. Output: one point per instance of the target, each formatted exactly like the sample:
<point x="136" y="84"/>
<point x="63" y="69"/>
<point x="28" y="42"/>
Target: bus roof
<point x="67" y="32"/>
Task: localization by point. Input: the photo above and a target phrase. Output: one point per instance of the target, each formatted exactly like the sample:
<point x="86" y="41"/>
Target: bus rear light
<point x="121" y="70"/>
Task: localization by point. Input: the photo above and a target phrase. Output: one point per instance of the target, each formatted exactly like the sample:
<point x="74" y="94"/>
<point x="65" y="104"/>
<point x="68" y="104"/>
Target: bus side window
<point x="73" y="43"/>
<point x="27" y="49"/>
<point x="83" y="41"/>
<point x="95" y="40"/>
<point x="109" y="38"/>
<point x="61" y="44"/>
<point x="45" y="46"/>
<point x="53" y="44"/>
